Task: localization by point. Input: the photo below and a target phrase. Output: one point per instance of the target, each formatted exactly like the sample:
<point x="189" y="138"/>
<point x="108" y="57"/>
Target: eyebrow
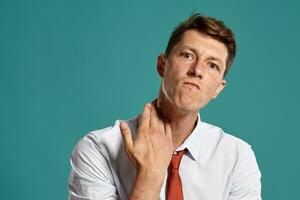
<point x="190" y="48"/>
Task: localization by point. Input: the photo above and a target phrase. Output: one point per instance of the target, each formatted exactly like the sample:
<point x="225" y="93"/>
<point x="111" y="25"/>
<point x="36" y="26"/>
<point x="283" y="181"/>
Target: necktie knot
<point x="176" y="158"/>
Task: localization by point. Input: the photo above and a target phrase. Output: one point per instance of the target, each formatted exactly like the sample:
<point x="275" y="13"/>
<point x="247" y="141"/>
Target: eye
<point x="214" y="66"/>
<point x="187" y="56"/>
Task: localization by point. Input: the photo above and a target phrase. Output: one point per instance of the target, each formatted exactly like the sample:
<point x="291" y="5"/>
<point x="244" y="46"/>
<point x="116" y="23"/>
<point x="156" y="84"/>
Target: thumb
<point x="126" y="134"/>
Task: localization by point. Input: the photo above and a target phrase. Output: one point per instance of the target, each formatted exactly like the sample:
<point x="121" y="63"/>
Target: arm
<point x="90" y="177"/>
<point x="150" y="152"/>
<point x="246" y="184"/>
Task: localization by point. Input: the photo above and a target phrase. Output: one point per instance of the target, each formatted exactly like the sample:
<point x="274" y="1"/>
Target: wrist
<point x="147" y="184"/>
<point x="156" y="175"/>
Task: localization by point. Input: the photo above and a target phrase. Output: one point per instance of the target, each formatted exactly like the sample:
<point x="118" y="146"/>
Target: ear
<point x="219" y="89"/>
<point x="160" y="65"/>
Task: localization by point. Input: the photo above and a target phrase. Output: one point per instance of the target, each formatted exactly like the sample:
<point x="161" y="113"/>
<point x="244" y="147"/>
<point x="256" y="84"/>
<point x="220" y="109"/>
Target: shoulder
<point x="94" y="163"/>
<point x="106" y="141"/>
<point x="217" y="134"/>
<point x="217" y="141"/>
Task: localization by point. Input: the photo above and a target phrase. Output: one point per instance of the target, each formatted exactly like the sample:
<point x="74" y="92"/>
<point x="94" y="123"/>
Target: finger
<point x="159" y="110"/>
<point x="153" y="117"/>
<point x="160" y="116"/>
<point x="159" y="113"/>
<point x="144" y="120"/>
<point x="127" y="137"/>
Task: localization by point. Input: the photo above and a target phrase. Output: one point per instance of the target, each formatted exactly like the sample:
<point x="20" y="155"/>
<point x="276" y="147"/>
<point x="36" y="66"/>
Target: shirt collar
<point x="192" y="142"/>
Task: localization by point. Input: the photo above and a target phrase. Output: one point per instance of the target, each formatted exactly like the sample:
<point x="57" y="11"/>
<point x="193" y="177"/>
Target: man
<point x="167" y="152"/>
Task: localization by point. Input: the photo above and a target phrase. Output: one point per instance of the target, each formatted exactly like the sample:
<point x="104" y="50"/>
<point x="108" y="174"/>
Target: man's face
<point x="192" y="74"/>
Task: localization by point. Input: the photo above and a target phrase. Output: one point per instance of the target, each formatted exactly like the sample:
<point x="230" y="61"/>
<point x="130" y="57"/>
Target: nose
<point x="196" y="70"/>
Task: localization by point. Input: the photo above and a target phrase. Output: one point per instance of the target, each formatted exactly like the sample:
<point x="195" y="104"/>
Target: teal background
<point x="69" y="67"/>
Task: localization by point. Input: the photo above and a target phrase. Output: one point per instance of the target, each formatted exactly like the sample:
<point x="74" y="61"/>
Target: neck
<point x="182" y="122"/>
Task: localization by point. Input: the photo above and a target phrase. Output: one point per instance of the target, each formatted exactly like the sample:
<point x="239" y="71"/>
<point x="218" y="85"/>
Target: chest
<point x="206" y="181"/>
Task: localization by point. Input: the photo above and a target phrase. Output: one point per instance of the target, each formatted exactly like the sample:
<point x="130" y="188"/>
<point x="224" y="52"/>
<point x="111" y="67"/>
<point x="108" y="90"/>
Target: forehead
<point x="204" y="44"/>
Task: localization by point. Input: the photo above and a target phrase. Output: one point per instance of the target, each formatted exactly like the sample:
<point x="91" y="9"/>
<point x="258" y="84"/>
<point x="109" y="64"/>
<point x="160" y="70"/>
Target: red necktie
<point x="174" y="186"/>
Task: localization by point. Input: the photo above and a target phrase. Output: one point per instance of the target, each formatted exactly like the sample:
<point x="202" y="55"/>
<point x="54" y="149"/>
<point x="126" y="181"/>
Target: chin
<point x="187" y="105"/>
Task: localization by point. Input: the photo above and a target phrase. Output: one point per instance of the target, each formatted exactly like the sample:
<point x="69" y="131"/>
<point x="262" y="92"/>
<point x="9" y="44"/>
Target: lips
<point x="192" y="84"/>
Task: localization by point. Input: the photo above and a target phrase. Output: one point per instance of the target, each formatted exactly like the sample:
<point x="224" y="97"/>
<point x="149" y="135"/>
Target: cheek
<point x="169" y="85"/>
<point x="171" y="76"/>
<point x="211" y="90"/>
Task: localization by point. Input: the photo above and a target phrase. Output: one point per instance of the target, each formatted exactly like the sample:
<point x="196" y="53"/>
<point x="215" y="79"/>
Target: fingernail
<point x="123" y="125"/>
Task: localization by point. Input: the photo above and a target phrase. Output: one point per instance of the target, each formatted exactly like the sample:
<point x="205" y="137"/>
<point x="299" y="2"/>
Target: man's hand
<point x="150" y="152"/>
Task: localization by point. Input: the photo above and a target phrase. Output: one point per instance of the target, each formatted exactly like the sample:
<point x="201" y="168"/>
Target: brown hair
<point x="212" y="27"/>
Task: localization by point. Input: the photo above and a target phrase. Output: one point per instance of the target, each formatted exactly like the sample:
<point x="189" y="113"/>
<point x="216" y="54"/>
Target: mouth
<point x="193" y="85"/>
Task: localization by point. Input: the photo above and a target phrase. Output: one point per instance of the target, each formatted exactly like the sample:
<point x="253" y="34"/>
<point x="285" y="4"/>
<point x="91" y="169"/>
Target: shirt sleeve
<point x="246" y="183"/>
<point x="90" y="177"/>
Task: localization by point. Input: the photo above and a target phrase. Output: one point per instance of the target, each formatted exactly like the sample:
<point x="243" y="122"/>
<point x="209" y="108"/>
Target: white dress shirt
<point x="217" y="166"/>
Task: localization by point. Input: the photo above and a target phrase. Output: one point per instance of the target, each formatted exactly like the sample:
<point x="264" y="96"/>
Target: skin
<point x="192" y="75"/>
